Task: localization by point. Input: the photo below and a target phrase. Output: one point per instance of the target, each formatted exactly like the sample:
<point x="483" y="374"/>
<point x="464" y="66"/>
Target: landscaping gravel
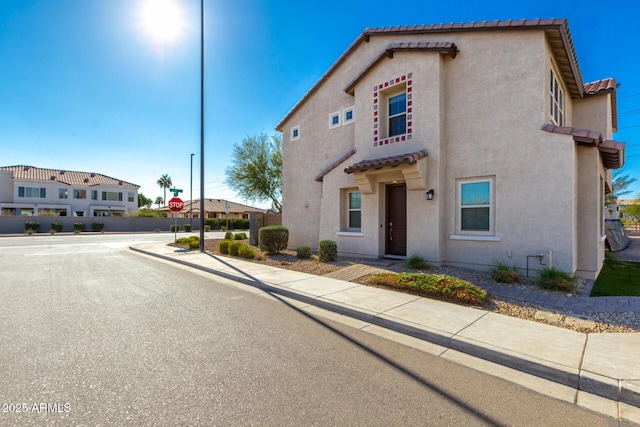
<point x="593" y="322"/>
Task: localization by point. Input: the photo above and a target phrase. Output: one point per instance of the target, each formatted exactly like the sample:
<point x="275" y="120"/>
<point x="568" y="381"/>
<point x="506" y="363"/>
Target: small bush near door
<point x="327" y="251"/>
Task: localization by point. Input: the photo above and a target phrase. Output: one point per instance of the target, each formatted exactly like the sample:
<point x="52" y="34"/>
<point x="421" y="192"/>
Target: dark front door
<point x="396" y="223"/>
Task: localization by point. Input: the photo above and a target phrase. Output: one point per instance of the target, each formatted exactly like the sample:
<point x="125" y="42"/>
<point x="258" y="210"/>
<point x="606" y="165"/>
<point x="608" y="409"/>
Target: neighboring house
<point x="465" y="144"/>
<point x="215" y="208"/>
<point x="27" y="190"/>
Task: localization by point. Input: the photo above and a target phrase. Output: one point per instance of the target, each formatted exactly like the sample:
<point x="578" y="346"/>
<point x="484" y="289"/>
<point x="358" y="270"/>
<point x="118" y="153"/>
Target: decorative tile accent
<point x="400" y="79"/>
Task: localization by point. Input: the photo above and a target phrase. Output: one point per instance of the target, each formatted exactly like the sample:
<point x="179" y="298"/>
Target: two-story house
<point x="27" y="190"/>
<point x="465" y="144"/>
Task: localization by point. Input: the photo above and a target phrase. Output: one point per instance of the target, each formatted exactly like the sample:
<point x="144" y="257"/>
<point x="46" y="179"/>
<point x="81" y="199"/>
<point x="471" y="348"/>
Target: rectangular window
<point x="130" y="197"/>
<point x="476" y="210"/>
<point x="557" y="101"/>
<point x="112" y="196"/>
<point x="79" y="194"/>
<point x="33" y="192"/>
<point x="398" y="114"/>
<point x="355" y="211"/>
<point x="94" y="194"/>
<point x="334" y="120"/>
<point x="63" y="193"/>
<point x="295" y="133"/>
<point x="347" y="116"/>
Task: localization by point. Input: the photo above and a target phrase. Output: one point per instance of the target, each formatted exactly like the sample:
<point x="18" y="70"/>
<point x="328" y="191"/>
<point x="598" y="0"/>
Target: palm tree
<point x="165" y="182"/>
<point x="159" y="201"/>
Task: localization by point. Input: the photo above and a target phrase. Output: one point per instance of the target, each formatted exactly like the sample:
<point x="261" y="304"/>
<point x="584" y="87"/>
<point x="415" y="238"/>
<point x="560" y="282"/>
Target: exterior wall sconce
<point x="430" y="195"/>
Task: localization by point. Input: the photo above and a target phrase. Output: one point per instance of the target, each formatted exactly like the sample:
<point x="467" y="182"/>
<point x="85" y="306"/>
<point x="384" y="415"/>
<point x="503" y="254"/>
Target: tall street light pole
<point x="191" y="195"/>
<point x="202" y="213"/>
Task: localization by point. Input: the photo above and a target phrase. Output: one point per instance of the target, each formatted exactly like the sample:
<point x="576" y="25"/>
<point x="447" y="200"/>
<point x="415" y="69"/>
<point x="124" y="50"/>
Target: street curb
<point x="620" y="390"/>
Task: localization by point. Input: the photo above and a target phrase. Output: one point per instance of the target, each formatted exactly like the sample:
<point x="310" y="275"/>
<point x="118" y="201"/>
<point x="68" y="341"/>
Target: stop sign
<point x="176" y="204"/>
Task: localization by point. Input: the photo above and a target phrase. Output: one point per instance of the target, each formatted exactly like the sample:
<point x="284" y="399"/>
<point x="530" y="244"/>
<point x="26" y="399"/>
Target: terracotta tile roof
<point x="72" y="178"/>
<point x="557" y="31"/>
<point x="446" y="48"/>
<point x="600" y="86"/>
<point x="612" y="152"/>
<point x="579" y="135"/>
<point x="334" y="165"/>
<point x="402" y="159"/>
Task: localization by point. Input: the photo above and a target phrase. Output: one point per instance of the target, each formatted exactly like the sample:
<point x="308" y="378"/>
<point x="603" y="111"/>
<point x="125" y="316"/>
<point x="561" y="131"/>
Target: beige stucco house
<point x="465" y="144"/>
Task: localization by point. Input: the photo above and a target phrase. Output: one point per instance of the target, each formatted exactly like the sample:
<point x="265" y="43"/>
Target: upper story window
<point x="398" y="114"/>
<point x="392" y="110"/>
<point x="334" y="120"/>
<point x="94" y="194"/>
<point x="35" y="192"/>
<point x="557" y="101"/>
<point x="347" y="116"/>
<point x="113" y="196"/>
<point x="295" y="133"/>
<point x="130" y="197"/>
<point x="79" y="194"/>
<point x="63" y="193"/>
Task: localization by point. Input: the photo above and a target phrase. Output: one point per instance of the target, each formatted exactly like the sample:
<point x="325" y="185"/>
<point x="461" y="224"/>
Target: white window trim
<point x="492" y="209"/>
<point x="471" y="237"/>
<point x="349" y="210"/>
<point x="556" y="103"/>
<point x="350" y="233"/>
<point x="337" y="114"/>
<point x="346" y="121"/>
<point x="293" y="130"/>
<point x="391" y="93"/>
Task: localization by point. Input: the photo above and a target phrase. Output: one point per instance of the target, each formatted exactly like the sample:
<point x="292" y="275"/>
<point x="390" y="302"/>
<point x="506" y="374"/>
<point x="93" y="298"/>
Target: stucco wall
<point x="6" y="187"/>
<point x="478" y="115"/>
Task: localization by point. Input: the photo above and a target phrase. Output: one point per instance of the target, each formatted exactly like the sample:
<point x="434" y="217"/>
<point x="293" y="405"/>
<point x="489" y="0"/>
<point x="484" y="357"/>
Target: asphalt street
<point x="93" y="334"/>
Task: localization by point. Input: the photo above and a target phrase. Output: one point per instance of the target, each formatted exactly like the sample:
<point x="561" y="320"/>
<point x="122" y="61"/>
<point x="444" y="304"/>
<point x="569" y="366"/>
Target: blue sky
<point x="83" y="85"/>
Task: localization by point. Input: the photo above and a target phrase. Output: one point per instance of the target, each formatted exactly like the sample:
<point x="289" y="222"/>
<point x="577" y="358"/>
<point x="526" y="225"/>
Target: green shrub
<point x="97" y="226"/>
<point x="247" y="251"/>
<point x="273" y="239"/>
<point x="56" y="227"/>
<point x="437" y="285"/>
<point x="223" y="246"/>
<point x="147" y="213"/>
<point x="303" y="252"/>
<point x="504" y="273"/>
<point x="234" y="246"/>
<point x="223" y="228"/>
<point x="193" y="242"/>
<point x="241" y="224"/>
<point x="212" y="223"/>
<point x="327" y="251"/>
<point x="187" y="228"/>
<point x="31" y="226"/>
<point x="555" y="280"/>
<point x="228" y="235"/>
<point x="239" y="236"/>
<point x="207" y="228"/>
<point x="174" y="228"/>
<point x="416" y="262"/>
<point x="78" y="227"/>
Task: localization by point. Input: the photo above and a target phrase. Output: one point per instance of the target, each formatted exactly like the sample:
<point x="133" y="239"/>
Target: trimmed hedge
<point x="97" y="226"/>
<point x="247" y="251"/>
<point x="223" y="246"/>
<point x="56" y="227"/>
<point x="303" y="252"/>
<point x="273" y="239"/>
<point x="234" y="247"/>
<point x="31" y="226"/>
<point x="327" y="251"/>
<point x="78" y="227"/>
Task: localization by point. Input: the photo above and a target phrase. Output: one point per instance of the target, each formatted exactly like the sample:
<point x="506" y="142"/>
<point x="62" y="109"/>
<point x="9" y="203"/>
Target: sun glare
<point x="162" y="19"/>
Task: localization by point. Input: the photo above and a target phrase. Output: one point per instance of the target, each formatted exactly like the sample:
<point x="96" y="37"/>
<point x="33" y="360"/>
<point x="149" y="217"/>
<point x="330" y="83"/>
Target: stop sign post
<point x="176" y="205"/>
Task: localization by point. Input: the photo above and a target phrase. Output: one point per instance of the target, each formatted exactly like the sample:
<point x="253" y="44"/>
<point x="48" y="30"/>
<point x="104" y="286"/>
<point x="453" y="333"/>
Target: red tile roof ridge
<point x="599" y="87"/>
<point x="408" y="158"/>
<point x="77" y="178"/>
<point x="568" y="130"/>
